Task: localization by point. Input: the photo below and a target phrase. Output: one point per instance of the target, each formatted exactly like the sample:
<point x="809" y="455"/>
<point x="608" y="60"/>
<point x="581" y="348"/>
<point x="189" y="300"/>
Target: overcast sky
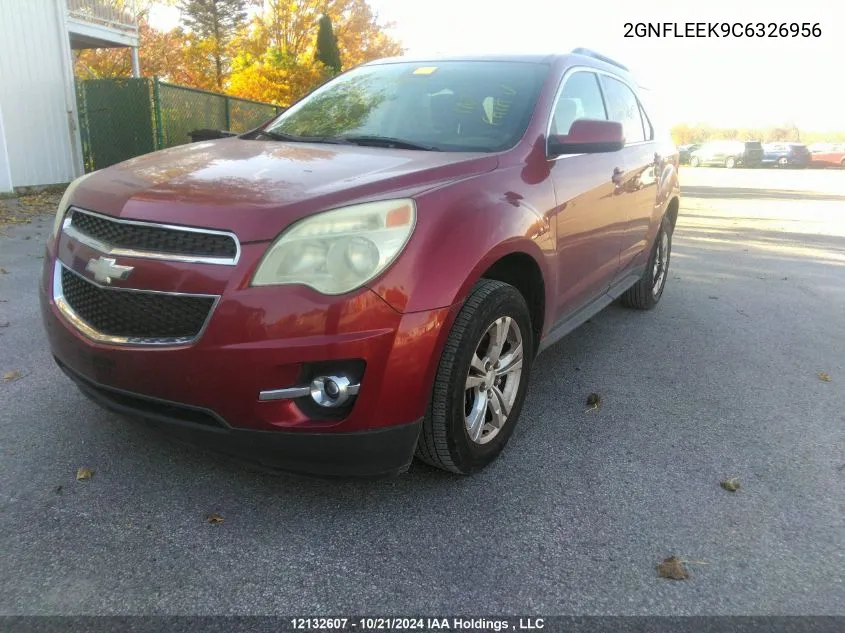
<point x="741" y="82"/>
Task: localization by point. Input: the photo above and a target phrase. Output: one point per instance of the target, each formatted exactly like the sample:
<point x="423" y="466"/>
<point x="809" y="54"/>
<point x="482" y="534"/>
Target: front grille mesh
<point x="153" y="238"/>
<point x="135" y="314"/>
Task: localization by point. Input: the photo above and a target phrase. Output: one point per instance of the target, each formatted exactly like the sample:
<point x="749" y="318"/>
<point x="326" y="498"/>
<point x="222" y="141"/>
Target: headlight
<point x="337" y="251"/>
<point x="63" y="204"/>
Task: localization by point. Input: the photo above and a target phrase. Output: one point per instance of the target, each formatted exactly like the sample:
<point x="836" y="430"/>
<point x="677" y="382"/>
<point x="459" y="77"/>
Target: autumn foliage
<point x="270" y="57"/>
<point x="683" y="134"/>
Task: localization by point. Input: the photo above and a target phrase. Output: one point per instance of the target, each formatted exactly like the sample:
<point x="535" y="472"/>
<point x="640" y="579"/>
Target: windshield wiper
<point x="386" y="141"/>
<point x="294" y="138"/>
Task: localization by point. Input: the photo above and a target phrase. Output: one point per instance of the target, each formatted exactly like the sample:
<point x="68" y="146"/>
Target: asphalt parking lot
<point x="722" y="380"/>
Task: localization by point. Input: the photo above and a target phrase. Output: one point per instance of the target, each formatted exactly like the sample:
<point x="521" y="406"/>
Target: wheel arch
<point x="521" y="270"/>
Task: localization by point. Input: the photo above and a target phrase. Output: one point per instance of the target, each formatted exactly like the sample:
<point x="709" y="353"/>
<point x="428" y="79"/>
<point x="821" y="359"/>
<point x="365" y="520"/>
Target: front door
<point x="590" y="220"/>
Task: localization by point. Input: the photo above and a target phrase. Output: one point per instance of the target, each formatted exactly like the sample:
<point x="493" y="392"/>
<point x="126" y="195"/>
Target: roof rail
<point x="591" y="53"/>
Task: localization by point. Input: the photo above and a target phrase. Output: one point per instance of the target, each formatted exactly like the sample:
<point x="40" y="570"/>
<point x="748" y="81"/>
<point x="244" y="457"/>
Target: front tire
<point x="730" y="162"/>
<point x="481" y="381"/>
<point x="783" y="162"/>
<point x="694" y="161"/>
<point x="646" y="293"/>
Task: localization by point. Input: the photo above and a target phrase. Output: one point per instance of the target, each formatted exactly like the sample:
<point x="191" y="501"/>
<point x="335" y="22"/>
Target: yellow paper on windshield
<point x="425" y="70"/>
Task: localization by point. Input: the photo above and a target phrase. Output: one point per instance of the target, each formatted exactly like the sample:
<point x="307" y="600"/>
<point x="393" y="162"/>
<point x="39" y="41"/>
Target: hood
<point x="256" y="188"/>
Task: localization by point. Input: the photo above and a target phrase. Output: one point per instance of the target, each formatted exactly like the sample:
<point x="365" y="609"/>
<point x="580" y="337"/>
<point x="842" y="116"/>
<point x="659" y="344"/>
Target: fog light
<point x="332" y="391"/>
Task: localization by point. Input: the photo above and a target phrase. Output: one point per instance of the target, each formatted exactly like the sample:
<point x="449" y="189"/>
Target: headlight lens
<point x="63" y="204"/>
<point x="338" y="251"/>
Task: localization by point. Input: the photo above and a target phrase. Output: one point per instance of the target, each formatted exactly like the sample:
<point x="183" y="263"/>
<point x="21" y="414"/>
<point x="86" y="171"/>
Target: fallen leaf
<point x="214" y="518"/>
<point x="673" y="568"/>
<point x="842" y="467"/>
<point x="3" y="271"/>
<point x="785" y="279"/>
<point x="9" y="376"/>
<point x="83" y="473"/>
<point x="58" y="490"/>
<point x="712" y="297"/>
<point x="823" y="376"/>
<point x="731" y="485"/>
<point x="593" y="401"/>
<point x="4" y="324"/>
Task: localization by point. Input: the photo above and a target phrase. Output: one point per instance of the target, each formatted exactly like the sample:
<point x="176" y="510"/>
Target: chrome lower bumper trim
<point x="291" y="393"/>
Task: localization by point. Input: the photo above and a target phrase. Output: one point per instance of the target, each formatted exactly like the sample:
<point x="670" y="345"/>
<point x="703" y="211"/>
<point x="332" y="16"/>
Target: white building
<point x="39" y="135"/>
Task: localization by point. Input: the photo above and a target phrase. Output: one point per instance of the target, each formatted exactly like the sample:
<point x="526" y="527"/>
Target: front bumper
<point x="261" y="339"/>
<point x="376" y="452"/>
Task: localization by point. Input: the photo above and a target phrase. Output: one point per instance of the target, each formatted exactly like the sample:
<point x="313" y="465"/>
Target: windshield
<point x="454" y="106"/>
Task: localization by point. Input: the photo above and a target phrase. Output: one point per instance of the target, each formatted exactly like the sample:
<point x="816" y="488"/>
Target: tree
<point x="161" y="55"/>
<point x="277" y="52"/>
<point x="327" y="51"/>
<point x="215" y="21"/>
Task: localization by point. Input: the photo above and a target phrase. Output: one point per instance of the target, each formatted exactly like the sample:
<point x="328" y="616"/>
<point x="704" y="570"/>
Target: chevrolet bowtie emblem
<point x="105" y="269"/>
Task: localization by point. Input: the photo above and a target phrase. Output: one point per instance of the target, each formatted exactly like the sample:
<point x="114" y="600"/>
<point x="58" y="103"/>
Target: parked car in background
<point x="684" y="152"/>
<point x="365" y="279"/>
<point x="786" y="155"/>
<point x="728" y="154"/>
<point x="828" y="155"/>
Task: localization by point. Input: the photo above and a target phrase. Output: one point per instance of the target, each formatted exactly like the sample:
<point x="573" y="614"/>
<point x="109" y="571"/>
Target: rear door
<point x="638" y="190"/>
<point x="589" y="218"/>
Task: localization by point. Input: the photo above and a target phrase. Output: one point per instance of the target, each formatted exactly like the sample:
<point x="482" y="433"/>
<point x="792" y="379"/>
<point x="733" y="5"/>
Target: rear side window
<point x="580" y="99"/>
<point x="623" y="107"/>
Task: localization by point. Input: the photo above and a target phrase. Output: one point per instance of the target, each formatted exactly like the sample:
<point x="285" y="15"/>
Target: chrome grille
<point x="119" y="315"/>
<point x="116" y="236"/>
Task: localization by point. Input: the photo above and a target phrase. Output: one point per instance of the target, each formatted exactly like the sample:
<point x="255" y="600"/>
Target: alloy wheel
<point x="661" y="259"/>
<point x="493" y="379"/>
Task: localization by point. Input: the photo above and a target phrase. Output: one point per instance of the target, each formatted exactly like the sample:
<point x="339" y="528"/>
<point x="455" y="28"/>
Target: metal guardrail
<point x="117" y="14"/>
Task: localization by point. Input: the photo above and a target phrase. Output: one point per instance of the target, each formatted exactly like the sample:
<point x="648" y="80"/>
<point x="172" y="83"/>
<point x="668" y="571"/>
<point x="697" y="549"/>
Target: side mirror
<point x="588" y="136"/>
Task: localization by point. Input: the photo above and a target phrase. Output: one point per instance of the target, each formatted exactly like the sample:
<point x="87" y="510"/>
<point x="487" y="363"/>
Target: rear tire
<point x="469" y="421"/>
<point x="646" y="293"/>
<point x="694" y="161"/>
<point x="730" y="162"/>
<point x="783" y="162"/>
<point x="842" y="164"/>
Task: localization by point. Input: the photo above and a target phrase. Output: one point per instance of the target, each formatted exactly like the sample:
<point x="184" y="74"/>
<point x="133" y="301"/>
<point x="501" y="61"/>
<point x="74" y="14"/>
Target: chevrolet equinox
<point x="368" y="276"/>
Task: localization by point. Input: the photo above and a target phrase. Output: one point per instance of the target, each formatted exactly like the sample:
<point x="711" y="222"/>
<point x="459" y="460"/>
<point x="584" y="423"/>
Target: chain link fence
<point x="123" y="118"/>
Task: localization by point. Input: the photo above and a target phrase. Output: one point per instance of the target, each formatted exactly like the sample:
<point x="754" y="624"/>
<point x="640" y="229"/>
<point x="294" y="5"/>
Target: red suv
<point x="369" y="276"/>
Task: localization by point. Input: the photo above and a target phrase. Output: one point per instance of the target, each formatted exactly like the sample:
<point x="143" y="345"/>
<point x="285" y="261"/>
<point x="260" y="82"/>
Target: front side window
<point x="580" y="99"/>
<point x="623" y="107"/>
<point x="452" y="106"/>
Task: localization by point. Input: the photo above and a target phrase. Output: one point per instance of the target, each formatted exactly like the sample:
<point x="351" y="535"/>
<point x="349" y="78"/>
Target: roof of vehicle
<point x="579" y="55"/>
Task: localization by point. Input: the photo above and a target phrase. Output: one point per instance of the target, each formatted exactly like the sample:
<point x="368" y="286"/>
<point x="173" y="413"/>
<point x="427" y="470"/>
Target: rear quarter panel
<point x="668" y="189"/>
